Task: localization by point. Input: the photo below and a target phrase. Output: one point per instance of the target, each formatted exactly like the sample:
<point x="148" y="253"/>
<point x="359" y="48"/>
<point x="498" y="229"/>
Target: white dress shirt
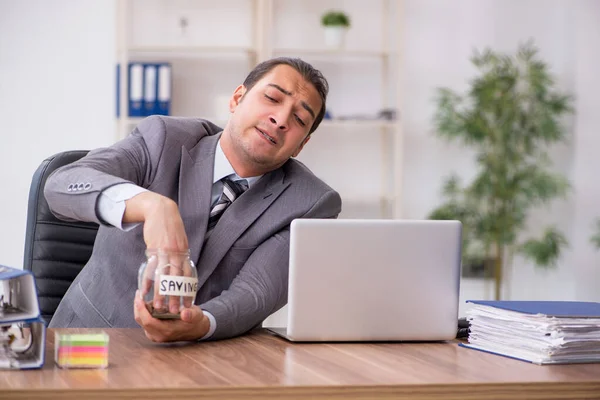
<point x="111" y="203"/>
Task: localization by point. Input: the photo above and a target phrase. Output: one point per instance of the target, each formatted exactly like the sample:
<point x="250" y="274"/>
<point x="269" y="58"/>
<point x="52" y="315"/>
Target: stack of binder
<point x="148" y="89"/>
<point x="541" y="332"/>
<point x="22" y="331"/>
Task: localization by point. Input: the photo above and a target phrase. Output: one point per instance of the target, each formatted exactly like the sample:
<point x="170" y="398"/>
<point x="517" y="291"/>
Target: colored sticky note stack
<point x="81" y="350"/>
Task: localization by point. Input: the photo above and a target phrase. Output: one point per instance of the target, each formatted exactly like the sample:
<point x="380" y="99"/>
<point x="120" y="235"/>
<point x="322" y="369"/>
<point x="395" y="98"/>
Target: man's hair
<point x="308" y="72"/>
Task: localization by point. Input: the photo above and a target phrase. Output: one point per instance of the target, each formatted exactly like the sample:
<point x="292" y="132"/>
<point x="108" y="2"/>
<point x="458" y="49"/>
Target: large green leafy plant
<point x="510" y="116"/>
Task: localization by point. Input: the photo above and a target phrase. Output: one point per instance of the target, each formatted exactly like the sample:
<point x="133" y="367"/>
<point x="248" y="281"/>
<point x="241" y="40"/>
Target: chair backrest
<point x="55" y="250"/>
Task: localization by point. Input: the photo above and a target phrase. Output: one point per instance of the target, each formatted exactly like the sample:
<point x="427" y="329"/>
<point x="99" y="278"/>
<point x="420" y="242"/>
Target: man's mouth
<point x="266" y="136"/>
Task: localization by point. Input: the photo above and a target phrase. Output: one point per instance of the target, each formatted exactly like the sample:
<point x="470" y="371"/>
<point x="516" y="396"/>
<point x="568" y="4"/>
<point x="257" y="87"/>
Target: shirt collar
<point x="223" y="168"/>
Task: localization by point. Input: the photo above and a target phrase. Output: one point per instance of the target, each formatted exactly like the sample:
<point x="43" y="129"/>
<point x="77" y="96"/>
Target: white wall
<point x="439" y="37"/>
<point x="57" y="61"/>
<point x="585" y="261"/>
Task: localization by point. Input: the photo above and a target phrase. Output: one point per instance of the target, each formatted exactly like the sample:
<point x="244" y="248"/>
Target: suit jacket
<point x="242" y="267"/>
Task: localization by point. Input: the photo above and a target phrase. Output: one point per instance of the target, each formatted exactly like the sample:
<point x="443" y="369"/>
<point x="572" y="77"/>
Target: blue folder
<point x="563" y="309"/>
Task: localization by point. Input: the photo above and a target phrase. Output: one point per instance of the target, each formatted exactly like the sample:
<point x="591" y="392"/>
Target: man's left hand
<point x="192" y="326"/>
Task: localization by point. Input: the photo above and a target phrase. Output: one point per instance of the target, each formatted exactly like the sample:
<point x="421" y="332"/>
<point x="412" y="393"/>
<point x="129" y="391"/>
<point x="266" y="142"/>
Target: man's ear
<point x="299" y="149"/>
<point x="236" y="98"/>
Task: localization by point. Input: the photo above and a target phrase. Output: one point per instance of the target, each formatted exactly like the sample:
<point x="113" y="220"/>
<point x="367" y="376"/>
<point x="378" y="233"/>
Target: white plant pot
<point x="335" y="36"/>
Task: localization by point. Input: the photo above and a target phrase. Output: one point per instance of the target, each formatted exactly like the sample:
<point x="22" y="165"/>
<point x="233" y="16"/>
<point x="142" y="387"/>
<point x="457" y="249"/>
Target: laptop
<point x="373" y="280"/>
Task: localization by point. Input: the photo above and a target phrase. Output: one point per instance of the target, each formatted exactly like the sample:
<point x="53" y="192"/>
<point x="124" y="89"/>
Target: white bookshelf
<point x="213" y="45"/>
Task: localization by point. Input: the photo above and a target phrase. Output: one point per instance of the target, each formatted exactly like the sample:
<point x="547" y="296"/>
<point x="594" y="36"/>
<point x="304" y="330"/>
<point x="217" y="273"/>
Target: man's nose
<point x="280" y="121"/>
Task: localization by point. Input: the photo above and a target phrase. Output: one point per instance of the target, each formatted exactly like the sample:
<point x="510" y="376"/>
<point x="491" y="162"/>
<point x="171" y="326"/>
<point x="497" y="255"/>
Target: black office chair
<point x="55" y="250"/>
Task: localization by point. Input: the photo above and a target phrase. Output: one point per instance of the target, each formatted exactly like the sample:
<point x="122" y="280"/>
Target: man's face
<point x="270" y="123"/>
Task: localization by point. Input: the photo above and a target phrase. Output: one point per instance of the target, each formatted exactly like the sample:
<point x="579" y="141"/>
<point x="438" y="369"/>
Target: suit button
<point x="80" y="186"/>
<point x="70" y="188"/>
<point x="87" y="186"/>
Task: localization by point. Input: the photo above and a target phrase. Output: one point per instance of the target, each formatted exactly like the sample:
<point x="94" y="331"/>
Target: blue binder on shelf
<point x="22" y="331"/>
<point x="135" y="90"/>
<point x="164" y="84"/>
<point x="150" y="89"/>
<point x="540" y="332"/>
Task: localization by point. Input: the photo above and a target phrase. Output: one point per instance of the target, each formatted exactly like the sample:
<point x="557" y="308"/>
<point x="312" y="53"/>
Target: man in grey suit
<point x="155" y="189"/>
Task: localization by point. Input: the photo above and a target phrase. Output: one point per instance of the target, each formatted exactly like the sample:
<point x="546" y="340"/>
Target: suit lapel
<point x="237" y="218"/>
<point x="195" y="183"/>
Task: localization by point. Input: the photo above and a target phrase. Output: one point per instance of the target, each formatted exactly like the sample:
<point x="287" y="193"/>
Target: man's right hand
<point x="163" y="226"/>
<point x="163" y="230"/>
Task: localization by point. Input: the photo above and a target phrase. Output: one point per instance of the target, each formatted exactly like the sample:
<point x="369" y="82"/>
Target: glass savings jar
<point x="168" y="281"/>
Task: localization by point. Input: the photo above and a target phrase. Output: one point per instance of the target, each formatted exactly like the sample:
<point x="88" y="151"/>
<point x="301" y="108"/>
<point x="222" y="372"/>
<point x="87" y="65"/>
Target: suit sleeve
<point x="261" y="287"/>
<point x="132" y="160"/>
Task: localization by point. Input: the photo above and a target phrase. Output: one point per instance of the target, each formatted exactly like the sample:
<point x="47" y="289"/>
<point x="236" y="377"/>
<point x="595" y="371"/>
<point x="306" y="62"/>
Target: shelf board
<point x="334" y="52"/>
<point x="190" y="51"/>
<point x="326" y="123"/>
<point x="137" y="120"/>
<point x="132" y="120"/>
<point x="369" y="207"/>
<point x="357" y="123"/>
<point x="356" y="199"/>
<point x="242" y="50"/>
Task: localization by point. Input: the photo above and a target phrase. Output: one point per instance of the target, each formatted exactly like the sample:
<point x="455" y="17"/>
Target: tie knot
<point x="233" y="189"/>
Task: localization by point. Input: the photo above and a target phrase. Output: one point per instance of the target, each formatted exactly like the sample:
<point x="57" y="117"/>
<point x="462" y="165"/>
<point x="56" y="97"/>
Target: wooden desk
<point x="262" y="366"/>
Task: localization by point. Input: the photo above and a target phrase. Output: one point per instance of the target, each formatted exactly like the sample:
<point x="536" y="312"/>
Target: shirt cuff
<point x="111" y="204"/>
<point x="213" y="325"/>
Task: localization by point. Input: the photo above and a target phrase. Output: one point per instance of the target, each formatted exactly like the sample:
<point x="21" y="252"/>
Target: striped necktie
<point x="231" y="191"/>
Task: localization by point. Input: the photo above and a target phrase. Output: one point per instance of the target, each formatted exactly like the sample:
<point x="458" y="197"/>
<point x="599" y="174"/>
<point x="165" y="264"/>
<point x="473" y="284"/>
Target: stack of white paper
<point x="542" y="332"/>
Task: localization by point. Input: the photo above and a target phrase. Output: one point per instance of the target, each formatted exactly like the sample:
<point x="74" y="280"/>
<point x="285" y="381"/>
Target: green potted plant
<point x="509" y="116"/>
<point x="336" y="23"/>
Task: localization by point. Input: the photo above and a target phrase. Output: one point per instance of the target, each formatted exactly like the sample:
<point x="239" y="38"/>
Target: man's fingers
<point x="188" y="301"/>
<point x="191" y="314"/>
<point x="161" y="269"/>
<point x="139" y="308"/>
<point x="142" y="314"/>
<point x="148" y="276"/>
<point x="169" y="330"/>
<point x="146" y="286"/>
<point x="176" y="262"/>
<point x="151" y="326"/>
